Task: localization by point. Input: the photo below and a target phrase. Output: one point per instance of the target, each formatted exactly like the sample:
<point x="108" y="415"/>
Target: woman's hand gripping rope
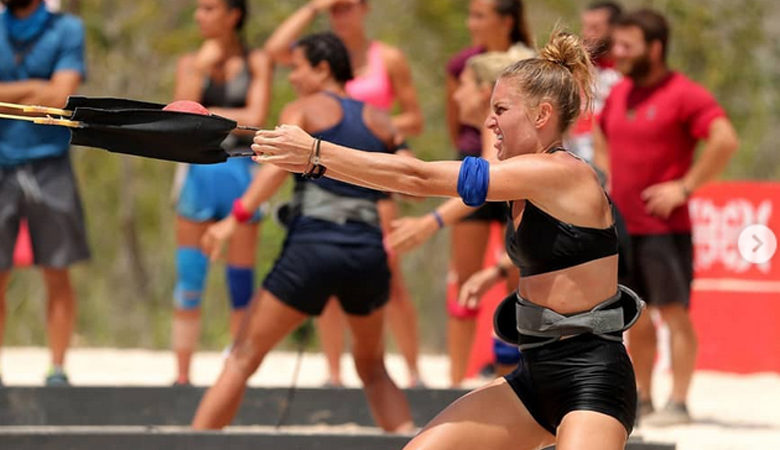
<point x="286" y="146"/>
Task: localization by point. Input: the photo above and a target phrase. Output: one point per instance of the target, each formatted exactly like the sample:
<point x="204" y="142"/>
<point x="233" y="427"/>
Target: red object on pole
<point x="23" y="255"/>
<point x="187" y="106"/>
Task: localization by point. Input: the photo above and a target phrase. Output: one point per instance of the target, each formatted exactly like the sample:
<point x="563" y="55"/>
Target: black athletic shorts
<point x="582" y="373"/>
<point x="44" y="192"/>
<point x="307" y="274"/>
<point x="661" y="268"/>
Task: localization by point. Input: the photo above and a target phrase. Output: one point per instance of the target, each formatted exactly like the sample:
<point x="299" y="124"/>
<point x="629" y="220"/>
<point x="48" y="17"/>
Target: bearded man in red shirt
<point x="650" y="126"/>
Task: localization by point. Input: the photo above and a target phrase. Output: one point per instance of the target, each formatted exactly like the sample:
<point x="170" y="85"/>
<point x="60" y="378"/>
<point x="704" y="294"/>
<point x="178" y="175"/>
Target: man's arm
<point x="54" y="92"/>
<point x="18" y="91"/>
<point x="600" y="151"/>
<point x="661" y="199"/>
<point x="718" y="149"/>
<point x="68" y="73"/>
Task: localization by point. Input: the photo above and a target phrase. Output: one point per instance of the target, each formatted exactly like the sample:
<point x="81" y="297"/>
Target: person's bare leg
<point x="61" y="313"/>
<point x="490" y="417"/>
<point x="642" y="348"/>
<point x="469" y="241"/>
<point x="388" y="404"/>
<point x="589" y="430"/>
<point x="185" y="331"/>
<point x="401" y="313"/>
<point x="460" y="338"/>
<point x="513" y="276"/>
<point x="185" y="328"/>
<point x="402" y="318"/>
<point x="269" y="321"/>
<point x="237" y="317"/>
<point x="241" y="253"/>
<point x="331" y="325"/>
<point x="683" y="348"/>
<point x="4" y="277"/>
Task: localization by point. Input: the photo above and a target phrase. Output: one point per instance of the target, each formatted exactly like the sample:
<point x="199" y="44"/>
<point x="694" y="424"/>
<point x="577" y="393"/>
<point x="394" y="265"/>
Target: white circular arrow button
<point x="757" y="244"/>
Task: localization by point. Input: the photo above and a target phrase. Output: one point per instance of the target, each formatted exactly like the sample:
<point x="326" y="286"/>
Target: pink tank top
<point x="375" y="87"/>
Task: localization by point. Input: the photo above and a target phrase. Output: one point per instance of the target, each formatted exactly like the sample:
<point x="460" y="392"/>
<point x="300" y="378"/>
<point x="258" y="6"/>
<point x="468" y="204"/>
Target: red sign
<point x="735" y="303"/>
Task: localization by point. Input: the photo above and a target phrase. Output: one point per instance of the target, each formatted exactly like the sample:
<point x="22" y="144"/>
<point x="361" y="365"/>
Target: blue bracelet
<point x="438" y="218"/>
<point x="473" y="180"/>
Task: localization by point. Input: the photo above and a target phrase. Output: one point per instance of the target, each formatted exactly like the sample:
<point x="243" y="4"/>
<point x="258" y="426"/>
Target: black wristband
<point x="317" y="170"/>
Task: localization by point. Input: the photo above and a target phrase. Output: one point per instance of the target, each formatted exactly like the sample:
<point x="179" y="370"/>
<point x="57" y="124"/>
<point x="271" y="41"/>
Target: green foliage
<point x="125" y="291"/>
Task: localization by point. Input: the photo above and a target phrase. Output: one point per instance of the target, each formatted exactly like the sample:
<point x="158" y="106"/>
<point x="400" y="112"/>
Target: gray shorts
<point x="45" y="193"/>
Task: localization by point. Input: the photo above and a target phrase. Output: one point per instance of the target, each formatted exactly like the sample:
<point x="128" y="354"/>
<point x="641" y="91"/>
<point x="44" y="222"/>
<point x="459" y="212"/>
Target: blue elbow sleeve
<point x="473" y="180"/>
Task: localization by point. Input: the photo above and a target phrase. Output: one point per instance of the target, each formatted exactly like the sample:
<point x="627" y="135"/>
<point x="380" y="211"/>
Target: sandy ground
<point x="730" y="411"/>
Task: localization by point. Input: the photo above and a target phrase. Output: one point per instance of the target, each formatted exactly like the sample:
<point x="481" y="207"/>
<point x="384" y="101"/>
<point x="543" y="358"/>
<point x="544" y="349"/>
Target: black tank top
<point x="542" y="243"/>
<point x="229" y="94"/>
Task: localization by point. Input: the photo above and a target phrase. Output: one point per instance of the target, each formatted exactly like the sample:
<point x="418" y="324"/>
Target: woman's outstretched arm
<point x="291" y="148"/>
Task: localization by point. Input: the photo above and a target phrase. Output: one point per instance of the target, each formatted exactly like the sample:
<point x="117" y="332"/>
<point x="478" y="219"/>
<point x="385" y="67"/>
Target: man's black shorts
<point x="661" y="268"/>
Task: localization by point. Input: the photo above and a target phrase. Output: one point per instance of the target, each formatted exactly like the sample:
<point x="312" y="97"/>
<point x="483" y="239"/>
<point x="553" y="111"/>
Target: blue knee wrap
<point x="506" y="354"/>
<point x="241" y="281"/>
<point x="191" y="267"/>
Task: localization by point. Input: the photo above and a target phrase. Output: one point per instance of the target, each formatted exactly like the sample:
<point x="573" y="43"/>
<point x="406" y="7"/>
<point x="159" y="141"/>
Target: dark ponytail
<point x="327" y="47"/>
<point x="516" y="10"/>
<point x="242" y="7"/>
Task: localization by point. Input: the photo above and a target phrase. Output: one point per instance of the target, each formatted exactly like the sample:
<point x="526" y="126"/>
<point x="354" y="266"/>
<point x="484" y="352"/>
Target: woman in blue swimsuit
<point x="231" y="81"/>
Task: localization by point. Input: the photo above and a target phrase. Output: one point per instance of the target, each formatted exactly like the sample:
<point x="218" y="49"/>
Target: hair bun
<point x="568" y="51"/>
<point x="562" y="74"/>
<point x="564" y="49"/>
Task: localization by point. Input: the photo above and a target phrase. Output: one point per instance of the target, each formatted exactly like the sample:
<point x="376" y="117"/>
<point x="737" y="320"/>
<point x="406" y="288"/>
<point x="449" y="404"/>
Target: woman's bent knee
<point x="370" y="369"/>
<point x="244" y="360"/>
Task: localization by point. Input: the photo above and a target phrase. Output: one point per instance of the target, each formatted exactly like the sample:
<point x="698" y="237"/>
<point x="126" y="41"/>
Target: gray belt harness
<point x="536" y="325"/>
<point x="311" y="200"/>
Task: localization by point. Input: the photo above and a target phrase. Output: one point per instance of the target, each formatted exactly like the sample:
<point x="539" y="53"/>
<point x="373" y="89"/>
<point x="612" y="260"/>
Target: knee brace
<point x="191" y="267"/>
<point x="241" y="282"/>
<point x="506" y="354"/>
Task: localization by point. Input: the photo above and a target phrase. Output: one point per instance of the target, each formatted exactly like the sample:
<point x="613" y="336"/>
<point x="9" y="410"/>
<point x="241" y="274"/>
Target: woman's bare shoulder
<point x="380" y="123"/>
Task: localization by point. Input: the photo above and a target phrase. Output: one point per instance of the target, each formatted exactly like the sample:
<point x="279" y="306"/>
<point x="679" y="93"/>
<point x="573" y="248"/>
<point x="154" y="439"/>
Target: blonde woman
<point x="574" y="386"/>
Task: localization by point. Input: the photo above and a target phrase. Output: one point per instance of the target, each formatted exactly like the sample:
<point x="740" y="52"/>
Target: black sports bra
<point x="542" y="243"/>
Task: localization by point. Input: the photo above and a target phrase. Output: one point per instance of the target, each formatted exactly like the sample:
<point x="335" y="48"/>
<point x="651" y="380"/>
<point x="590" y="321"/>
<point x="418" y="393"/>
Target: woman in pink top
<point x="382" y="78"/>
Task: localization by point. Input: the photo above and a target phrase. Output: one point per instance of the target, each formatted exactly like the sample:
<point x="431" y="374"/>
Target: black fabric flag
<point x="144" y="129"/>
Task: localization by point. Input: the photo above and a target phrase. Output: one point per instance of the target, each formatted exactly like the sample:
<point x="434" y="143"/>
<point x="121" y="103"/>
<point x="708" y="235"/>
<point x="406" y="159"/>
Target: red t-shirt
<point x="651" y="133"/>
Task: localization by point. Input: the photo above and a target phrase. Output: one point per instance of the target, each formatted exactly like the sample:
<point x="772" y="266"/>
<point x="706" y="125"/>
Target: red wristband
<point x="239" y="212"/>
